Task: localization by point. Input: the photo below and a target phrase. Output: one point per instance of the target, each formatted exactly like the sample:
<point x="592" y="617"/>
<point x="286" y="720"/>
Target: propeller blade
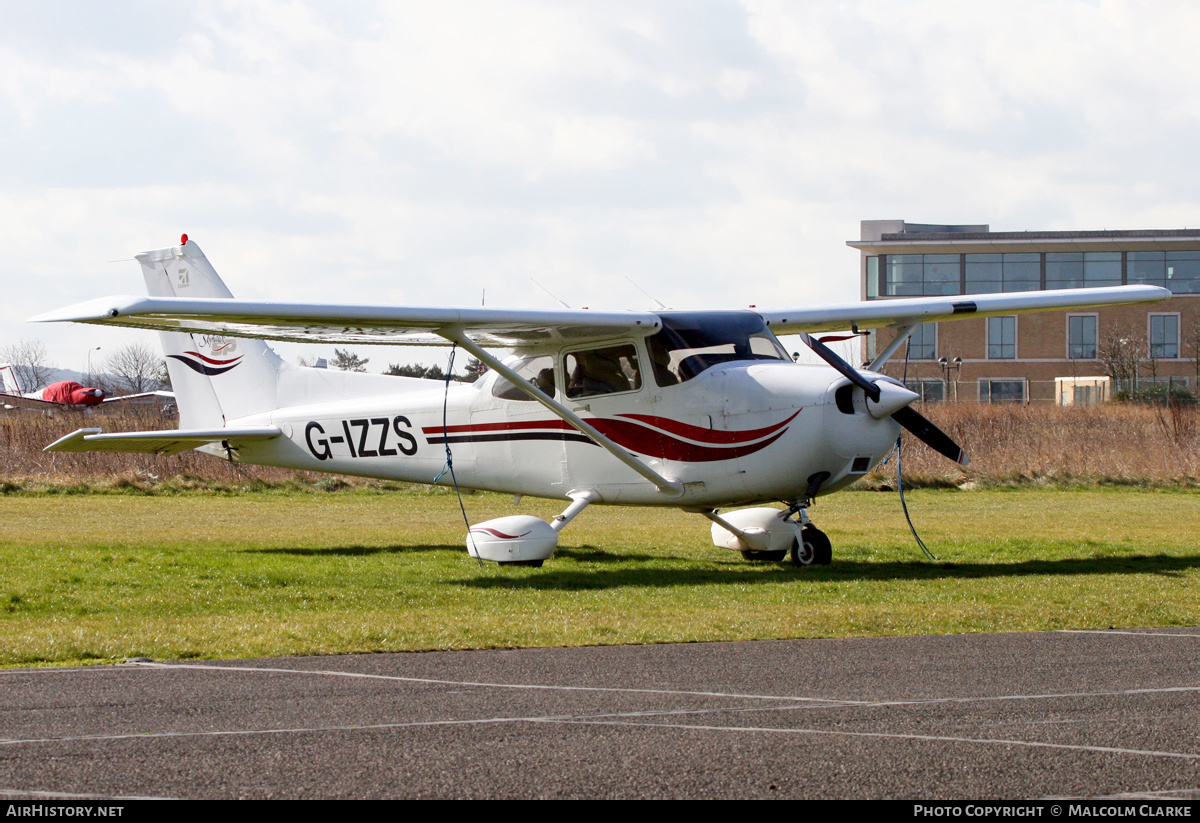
<point x="849" y="372"/>
<point x="914" y="421"/>
<point x="930" y="435"/>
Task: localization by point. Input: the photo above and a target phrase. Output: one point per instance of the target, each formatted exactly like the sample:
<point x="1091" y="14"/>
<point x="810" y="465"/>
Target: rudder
<point x="215" y="378"/>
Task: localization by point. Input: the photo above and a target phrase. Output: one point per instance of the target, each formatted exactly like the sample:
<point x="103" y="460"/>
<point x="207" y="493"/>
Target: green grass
<point x="196" y="575"/>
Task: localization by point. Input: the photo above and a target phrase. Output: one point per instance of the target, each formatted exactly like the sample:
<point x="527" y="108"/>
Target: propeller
<point x="888" y="399"/>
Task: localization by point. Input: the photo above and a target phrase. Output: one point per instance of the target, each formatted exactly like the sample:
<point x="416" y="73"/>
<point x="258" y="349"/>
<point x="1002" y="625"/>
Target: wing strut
<point x="901" y="335"/>
<point x="669" y="487"/>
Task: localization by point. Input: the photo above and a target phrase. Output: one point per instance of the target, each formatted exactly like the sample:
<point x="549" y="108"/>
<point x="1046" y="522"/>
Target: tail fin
<point x="216" y="379"/>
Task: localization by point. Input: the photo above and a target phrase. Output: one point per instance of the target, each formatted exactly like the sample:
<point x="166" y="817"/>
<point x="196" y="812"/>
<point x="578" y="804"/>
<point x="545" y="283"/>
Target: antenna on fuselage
<point x="561" y="302"/>
<point x="657" y="302"/>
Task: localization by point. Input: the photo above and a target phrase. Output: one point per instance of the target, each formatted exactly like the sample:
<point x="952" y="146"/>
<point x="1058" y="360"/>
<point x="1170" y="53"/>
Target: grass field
<point x="101" y="577"/>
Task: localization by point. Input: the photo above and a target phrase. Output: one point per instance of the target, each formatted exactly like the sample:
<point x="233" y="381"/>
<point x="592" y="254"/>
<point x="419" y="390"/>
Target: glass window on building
<point x="1164" y="336"/>
<point x="1001" y="391"/>
<point x="1064" y="270"/>
<point x="987" y="273"/>
<point x="920" y="274"/>
<point x="904" y="274"/>
<point x="1102" y="268"/>
<point x="1178" y="271"/>
<point x="872" y="277"/>
<point x="922" y="343"/>
<point x="1002" y="338"/>
<point x="1147" y="267"/>
<point x="1182" y="272"/>
<point x="931" y="391"/>
<point x="1081" y="336"/>
<point x="940" y="274"/>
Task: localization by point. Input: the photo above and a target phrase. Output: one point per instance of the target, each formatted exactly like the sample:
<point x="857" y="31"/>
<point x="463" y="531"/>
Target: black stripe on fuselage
<point x="573" y="437"/>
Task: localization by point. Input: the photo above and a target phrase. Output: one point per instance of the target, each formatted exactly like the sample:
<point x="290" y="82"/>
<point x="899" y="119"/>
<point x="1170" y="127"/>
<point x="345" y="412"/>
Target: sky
<point x="717" y="154"/>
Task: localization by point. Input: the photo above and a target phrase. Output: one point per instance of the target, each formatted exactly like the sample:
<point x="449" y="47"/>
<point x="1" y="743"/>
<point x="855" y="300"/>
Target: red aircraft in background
<point x="63" y="394"/>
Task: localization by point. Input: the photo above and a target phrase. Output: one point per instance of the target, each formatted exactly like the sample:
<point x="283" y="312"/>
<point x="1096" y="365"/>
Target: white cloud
<point x="717" y="153"/>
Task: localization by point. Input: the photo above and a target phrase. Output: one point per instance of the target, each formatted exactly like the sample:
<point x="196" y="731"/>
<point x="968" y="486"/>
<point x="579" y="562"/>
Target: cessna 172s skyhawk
<point x="695" y="410"/>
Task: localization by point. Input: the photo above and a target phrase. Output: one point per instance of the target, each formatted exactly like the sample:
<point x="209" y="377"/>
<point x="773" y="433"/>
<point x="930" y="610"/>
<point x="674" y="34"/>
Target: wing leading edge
<point x="399" y="325"/>
<point x="899" y="312"/>
<point x="387" y="325"/>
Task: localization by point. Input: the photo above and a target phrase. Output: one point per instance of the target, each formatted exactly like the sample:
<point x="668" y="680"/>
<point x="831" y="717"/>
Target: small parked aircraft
<point x="63" y="394"/>
<point x="696" y="410"/>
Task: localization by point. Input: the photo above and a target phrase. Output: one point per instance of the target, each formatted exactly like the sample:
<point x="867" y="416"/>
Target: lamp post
<point x="89" y="363"/>
<point x="948" y="366"/>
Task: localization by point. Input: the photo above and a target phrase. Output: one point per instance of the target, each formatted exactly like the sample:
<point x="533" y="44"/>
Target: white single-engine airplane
<point x="695" y="410"/>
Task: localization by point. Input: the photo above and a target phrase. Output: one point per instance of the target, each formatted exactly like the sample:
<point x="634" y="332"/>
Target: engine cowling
<point x="518" y="538"/>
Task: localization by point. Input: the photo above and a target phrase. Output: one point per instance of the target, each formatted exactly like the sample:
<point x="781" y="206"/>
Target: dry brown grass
<point x="1014" y="444"/>
<point x="1008" y="445"/>
<point x="24" y="464"/>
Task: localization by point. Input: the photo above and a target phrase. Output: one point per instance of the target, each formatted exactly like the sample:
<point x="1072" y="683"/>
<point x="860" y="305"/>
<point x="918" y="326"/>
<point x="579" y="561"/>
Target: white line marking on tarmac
<point x="583" y="721"/>
<point x="1135" y="634"/>
<point x="898" y="736"/>
<point x="532" y="686"/>
<point x="823" y="702"/>
<point x="20" y="793"/>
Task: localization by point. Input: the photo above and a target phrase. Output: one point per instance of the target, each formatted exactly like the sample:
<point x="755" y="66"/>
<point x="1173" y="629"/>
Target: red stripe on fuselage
<point x="706" y="435"/>
<point x="647" y="441"/>
<point x="638" y="436"/>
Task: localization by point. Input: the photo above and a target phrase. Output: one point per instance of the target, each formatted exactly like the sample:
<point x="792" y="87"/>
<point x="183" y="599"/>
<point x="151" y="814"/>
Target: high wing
<point x="323" y="323"/>
<point x="399" y="325"/>
<point x="897" y="313"/>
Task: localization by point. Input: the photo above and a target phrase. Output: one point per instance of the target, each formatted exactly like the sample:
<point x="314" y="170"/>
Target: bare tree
<point x="1122" y="350"/>
<point x="1193" y="343"/>
<point x="135" y="368"/>
<point x="29" y="361"/>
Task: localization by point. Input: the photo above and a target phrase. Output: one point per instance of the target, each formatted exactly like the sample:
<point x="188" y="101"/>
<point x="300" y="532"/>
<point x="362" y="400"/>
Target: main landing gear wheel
<point x="812" y="548"/>
<point x="536" y="564"/>
<point x="764" y="555"/>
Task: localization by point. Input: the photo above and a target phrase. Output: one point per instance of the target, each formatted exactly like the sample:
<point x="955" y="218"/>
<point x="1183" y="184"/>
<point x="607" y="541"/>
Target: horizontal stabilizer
<point x="170" y="441"/>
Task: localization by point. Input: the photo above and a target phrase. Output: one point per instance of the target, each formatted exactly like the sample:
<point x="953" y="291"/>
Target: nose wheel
<point x="811" y="548"/>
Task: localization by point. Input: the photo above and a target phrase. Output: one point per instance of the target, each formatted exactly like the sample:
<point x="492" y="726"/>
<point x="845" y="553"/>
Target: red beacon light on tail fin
<point x="183" y="240"/>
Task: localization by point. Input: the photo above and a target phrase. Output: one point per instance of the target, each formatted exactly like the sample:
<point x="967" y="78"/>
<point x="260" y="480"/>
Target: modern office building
<point x="1050" y="357"/>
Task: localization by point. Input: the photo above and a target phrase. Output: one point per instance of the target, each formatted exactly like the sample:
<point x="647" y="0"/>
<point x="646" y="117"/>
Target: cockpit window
<point x="691" y="342"/>
<point x="537" y="370"/>
<point x="602" y="371"/>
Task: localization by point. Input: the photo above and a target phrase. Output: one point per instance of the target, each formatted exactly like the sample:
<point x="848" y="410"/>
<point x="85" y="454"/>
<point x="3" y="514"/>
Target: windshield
<point x="691" y="342"/>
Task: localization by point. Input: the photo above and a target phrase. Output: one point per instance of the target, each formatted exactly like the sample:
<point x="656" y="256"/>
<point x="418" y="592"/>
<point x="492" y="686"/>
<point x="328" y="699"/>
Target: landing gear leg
<point x="812" y="547"/>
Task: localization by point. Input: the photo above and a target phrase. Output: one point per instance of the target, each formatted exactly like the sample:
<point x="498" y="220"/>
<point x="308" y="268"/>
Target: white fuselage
<point x="738" y="433"/>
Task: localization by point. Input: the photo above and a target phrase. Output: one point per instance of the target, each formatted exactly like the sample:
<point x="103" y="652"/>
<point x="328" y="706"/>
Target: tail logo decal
<point x="209" y="366"/>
